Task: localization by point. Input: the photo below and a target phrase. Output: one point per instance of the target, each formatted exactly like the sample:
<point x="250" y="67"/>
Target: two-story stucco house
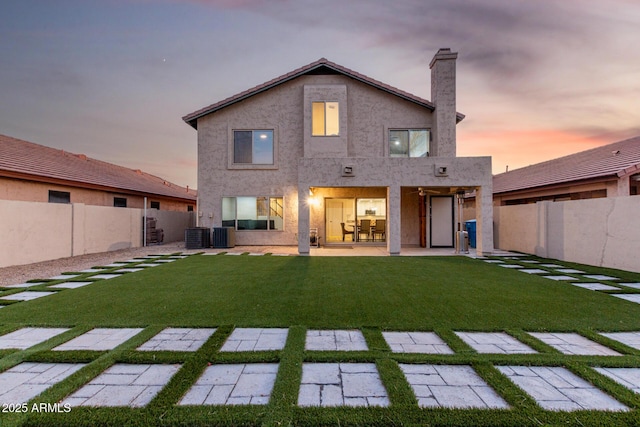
<point x="327" y="149"/>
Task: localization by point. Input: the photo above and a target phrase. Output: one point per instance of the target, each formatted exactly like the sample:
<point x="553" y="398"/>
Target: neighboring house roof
<point x="26" y="160"/>
<point x="613" y="160"/>
<point x="321" y="66"/>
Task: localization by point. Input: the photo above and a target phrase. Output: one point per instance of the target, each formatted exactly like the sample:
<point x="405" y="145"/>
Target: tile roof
<point x="612" y="160"/>
<point x="321" y="66"/>
<point x="19" y="158"/>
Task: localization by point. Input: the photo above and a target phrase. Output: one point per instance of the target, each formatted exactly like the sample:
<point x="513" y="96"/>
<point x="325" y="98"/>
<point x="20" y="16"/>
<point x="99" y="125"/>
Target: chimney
<point x="443" y="95"/>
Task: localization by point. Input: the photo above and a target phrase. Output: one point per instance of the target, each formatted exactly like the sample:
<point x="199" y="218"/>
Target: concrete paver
<point x="99" y="339"/>
<point x="632" y="339"/>
<point x="124" y="385"/>
<point x="27" y="295"/>
<point x="629" y="297"/>
<point x="534" y="271"/>
<point x="341" y="384"/>
<point x="70" y="285"/>
<point x="416" y="342"/>
<point x="571" y="343"/>
<point x="600" y="277"/>
<point x="239" y="384"/>
<point x="28" y="337"/>
<point x="551" y="265"/>
<point x="569" y="271"/>
<point x="494" y="342"/>
<point x="105" y="276"/>
<point x="561" y="277"/>
<point x="631" y="285"/>
<point x="335" y="341"/>
<point x="25" y="381"/>
<point x="64" y="276"/>
<point x="128" y="270"/>
<point x="558" y="389"/>
<point x="451" y="386"/>
<point x="596" y="286"/>
<point x="256" y="339"/>
<point x="510" y="265"/>
<point x="628" y="377"/>
<point x="23" y="285"/>
<point x="178" y="339"/>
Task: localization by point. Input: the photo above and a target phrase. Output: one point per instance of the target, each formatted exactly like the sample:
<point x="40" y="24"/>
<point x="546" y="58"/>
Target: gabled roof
<point x="613" y="160"/>
<point x="321" y="66"/>
<point x="26" y="160"/>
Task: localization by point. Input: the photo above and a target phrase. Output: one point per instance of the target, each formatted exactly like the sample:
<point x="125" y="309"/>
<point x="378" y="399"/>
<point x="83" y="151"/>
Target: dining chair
<point x="365" y="228"/>
<point x="345" y="232"/>
<point x="380" y="229"/>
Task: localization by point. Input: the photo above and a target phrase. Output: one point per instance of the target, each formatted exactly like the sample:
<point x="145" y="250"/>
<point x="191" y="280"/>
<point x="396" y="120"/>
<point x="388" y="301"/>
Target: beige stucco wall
<point x="33" y="231"/>
<point x="599" y="232"/>
<point x="31" y="191"/>
<point x="370" y="113"/>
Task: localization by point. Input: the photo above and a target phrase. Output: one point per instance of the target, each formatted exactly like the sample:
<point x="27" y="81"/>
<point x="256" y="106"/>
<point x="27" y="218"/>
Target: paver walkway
<point x="341" y="384"/>
<point x="256" y="339"/>
<point x="450" y="386"/>
<point x="27" y="380"/>
<point x="335" y="340"/>
<point x="178" y="339"/>
<point x="124" y="385"/>
<point x="570" y="343"/>
<point x="99" y="339"/>
<point x="558" y="389"/>
<point x="416" y="342"/>
<point x="494" y="342"/>
<point x="239" y="384"/>
<point x="28" y="337"/>
<point x="27" y="295"/>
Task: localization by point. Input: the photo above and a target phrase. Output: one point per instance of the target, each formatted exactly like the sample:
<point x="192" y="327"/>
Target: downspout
<point x="144" y="224"/>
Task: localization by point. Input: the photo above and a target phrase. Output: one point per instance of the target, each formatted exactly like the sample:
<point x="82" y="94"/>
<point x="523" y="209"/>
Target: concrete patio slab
<point x="559" y="278"/>
<point x="631" y="285"/>
<point x="124" y="385"/>
<point x="92" y="270"/>
<point x="339" y="340"/>
<point x="451" y="386"/>
<point x="627" y="377"/>
<point x="70" y="285"/>
<point x="510" y="265"/>
<point x="596" y="286"/>
<point x="600" y="277"/>
<point x="494" y="342"/>
<point x="494" y="261"/>
<point x="28" y="337"/>
<point x="148" y="264"/>
<point x="164" y="261"/>
<point x="25" y="381"/>
<point x="571" y="343"/>
<point x="534" y="271"/>
<point x="530" y="261"/>
<point x="632" y="339"/>
<point x="551" y="265"/>
<point x="64" y="277"/>
<point x="558" y="389"/>
<point x="27" y="295"/>
<point x="629" y="297"/>
<point x="23" y="285"/>
<point x="569" y="271"/>
<point x="105" y="276"/>
<point x="416" y="342"/>
<point x="128" y="270"/>
<point x="178" y="339"/>
<point x="241" y="384"/>
<point x="99" y="339"/>
<point x="341" y="384"/>
<point x="256" y="339"/>
<point x="117" y="264"/>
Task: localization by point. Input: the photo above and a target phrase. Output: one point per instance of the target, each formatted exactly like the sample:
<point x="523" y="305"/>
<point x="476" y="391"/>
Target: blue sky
<point x="112" y="78"/>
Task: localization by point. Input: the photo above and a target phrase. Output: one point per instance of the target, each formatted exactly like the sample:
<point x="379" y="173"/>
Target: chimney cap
<point x="443" y="53"/>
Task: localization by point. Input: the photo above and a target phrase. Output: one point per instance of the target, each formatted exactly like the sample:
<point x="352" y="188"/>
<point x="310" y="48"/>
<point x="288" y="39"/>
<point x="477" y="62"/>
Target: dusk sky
<point x="112" y="78"/>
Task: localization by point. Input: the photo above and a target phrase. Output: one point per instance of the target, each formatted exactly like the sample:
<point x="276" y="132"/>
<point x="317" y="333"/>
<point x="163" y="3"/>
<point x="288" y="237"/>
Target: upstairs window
<point x="59" y="196"/>
<point x="325" y="119"/>
<point x="155" y="205"/>
<point x="409" y="143"/>
<point x="253" y="147"/>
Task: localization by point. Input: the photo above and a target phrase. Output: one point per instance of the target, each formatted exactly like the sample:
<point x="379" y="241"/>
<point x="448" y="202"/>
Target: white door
<point x="336" y="212"/>
<point x="441" y="223"/>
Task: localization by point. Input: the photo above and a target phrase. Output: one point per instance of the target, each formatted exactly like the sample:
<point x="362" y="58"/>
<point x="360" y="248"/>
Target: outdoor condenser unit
<point x="224" y="237"/>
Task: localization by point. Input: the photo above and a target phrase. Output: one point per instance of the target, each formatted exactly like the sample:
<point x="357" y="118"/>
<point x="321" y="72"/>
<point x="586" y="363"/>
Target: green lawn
<point x="442" y="294"/>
